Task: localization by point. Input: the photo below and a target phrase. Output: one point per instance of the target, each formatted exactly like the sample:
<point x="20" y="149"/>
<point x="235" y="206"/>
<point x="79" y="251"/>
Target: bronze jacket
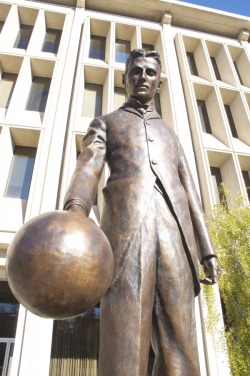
<point x="138" y="150"/>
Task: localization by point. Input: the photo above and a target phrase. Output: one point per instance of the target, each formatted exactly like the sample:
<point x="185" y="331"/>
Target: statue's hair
<point x="142" y="53"/>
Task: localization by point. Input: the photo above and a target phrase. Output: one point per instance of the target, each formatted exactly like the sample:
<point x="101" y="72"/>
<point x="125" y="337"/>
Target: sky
<point x="241" y="7"/>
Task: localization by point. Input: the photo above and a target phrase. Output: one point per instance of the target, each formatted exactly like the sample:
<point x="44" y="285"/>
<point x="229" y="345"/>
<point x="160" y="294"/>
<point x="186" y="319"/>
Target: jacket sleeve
<point x="205" y="247"/>
<point x="84" y="182"/>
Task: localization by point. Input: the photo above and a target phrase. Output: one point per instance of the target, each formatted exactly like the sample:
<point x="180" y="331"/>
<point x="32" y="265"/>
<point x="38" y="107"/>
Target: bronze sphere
<point x="59" y="264"/>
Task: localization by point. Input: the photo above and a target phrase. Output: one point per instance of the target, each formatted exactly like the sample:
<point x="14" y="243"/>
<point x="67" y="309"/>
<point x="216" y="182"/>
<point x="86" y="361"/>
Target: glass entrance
<point x="9" y="308"/>
<point x="75" y="345"/>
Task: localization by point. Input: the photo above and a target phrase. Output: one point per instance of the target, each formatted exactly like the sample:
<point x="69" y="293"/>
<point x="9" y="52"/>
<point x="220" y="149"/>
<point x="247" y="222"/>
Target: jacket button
<point x="154" y="162"/>
<point x="150" y="139"/>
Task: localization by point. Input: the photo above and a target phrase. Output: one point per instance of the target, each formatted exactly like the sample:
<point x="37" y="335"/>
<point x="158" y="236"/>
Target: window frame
<point x="22" y="41"/>
<point x="238" y="73"/>
<point x="87" y="110"/>
<point x="97" y="53"/>
<point x="231" y="120"/>
<point x="121" y="56"/>
<point x="215" y="68"/>
<point x="6" y="78"/>
<point x="1" y="25"/>
<point x="192" y="64"/>
<point x="246" y="178"/>
<point x="24" y="175"/>
<point x="203" y="116"/>
<point x="37" y="98"/>
<point x="216" y="177"/>
<point x="52" y="47"/>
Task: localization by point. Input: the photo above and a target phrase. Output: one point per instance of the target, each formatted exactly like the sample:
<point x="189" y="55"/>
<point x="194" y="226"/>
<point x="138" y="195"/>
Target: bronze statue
<point x="151" y="214"/>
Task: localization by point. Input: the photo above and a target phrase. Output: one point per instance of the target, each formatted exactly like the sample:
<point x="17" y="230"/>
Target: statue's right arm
<point x="84" y="182"/>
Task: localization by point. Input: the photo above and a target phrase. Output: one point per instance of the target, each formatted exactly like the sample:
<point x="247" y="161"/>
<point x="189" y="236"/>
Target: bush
<point x="229" y="227"/>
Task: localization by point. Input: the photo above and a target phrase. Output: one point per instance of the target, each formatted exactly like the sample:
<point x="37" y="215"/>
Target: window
<point x="238" y="73"/>
<point x="231" y="121"/>
<point x="19" y="180"/>
<point x="1" y="25"/>
<point x="122" y="50"/>
<point x="204" y="119"/>
<point x="23" y="36"/>
<point x="97" y="47"/>
<point x="246" y="178"/>
<point x="215" y="66"/>
<point x="38" y="95"/>
<point x="9" y="308"/>
<point x="219" y="196"/>
<point x="192" y="64"/>
<point x="119" y="97"/>
<point x="157" y="103"/>
<point x="7" y="85"/>
<point x="95" y="200"/>
<point x="51" y="40"/>
<point x="75" y="345"/>
<point x="92" y="104"/>
<point x="147" y="47"/>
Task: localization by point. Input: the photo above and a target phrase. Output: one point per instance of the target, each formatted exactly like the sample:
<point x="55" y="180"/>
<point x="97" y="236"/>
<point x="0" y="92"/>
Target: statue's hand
<point x="212" y="271"/>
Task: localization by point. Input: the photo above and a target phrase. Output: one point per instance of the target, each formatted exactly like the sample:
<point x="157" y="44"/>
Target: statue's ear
<point x="159" y="86"/>
<point x="124" y="79"/>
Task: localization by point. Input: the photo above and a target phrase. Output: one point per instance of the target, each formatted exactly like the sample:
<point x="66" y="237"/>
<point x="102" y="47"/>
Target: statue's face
<point x="142" y="79"/>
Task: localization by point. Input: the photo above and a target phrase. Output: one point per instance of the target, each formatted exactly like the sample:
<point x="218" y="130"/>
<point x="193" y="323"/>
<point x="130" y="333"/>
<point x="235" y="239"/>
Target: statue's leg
<point x="126" y="309"/>
<point x="174" y="336"/>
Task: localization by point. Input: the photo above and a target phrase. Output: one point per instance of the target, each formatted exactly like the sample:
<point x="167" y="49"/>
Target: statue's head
<point x="142" y="75"/>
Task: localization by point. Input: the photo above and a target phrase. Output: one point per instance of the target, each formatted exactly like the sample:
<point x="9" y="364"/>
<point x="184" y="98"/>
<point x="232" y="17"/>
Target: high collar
<point x="144" y="111"/>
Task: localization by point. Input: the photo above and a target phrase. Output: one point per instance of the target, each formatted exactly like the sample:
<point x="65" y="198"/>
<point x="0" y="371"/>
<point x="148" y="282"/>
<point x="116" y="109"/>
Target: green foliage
<point x="229" y="227"/>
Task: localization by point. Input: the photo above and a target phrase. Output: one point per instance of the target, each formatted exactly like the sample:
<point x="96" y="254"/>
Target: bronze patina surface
<point x="59" y="264"/>
<point x="151" y="216"/>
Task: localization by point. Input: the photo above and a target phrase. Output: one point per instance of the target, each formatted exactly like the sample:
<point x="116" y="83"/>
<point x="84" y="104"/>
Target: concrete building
<point x="60" y="65"/>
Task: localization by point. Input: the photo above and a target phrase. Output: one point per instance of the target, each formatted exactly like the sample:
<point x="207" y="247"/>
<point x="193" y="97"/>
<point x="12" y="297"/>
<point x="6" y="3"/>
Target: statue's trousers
<point x="151" y="301"/>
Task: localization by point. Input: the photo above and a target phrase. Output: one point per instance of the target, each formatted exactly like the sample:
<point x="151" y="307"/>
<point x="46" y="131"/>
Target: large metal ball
<point x="59" y="264"/>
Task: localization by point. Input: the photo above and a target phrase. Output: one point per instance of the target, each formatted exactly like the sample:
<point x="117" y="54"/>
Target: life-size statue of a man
<point x="151" y="217"/>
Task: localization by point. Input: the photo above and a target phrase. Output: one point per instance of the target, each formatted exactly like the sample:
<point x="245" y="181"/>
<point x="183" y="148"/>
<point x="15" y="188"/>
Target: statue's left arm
<point x="84" y="182"/>
<point x="207" y="255"/>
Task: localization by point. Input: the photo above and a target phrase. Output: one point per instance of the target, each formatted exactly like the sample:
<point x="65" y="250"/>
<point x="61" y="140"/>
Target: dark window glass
<point x="23" y="36"/>
<point x="92" y="105"/>
<point x="215" y="66"/>
<point x="1" y="25"/>
<point x="122" y="50"/>
<point x="9" y="308"/>
<point x="7" y="85"/>
<point x="231" y="121"/>
<point x="157" y="103"/>
<point x="97" y="47"/>
<point x="20" y="175"/>
<point x="147" y="47"/>
<point x="238" y="73"/>
<point x="216" y="183"/>
<point x="192" y="64"/>
<point x="38" y="95"/>
<point x="95" y="200"/>
<point x="246" y="178"/>
<point x="51" y="40"/>
<point x="204" y="119"/>
<point x="75" y="345"/>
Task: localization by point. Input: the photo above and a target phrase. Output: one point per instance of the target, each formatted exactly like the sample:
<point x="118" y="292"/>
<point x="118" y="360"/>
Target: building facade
<point x="61" y="64"/>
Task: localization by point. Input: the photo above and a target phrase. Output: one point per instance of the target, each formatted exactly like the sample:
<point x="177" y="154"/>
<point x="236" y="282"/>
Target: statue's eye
<point x="150" y="72"/>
